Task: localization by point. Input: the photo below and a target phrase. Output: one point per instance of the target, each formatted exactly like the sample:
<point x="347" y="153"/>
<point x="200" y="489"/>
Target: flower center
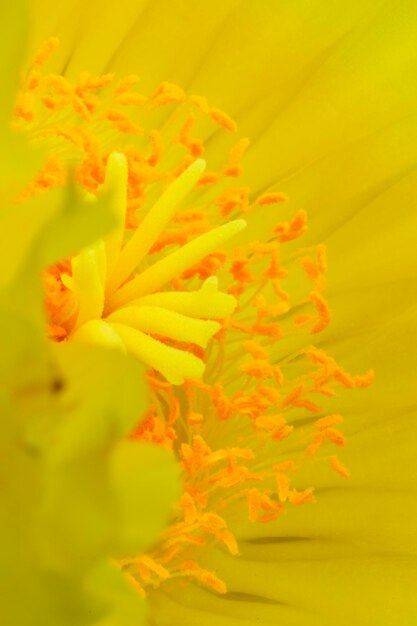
<point x="237" y="404"/>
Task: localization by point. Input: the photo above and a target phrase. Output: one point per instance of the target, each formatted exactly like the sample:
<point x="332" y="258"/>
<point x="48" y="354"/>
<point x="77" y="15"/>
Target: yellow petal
<point x="146" y="481"/>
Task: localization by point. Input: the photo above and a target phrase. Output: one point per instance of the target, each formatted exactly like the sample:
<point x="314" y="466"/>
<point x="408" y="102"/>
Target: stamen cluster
<point x="245" y="428"/>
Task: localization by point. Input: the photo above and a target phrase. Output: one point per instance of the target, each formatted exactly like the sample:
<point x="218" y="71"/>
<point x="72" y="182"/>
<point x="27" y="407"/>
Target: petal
<point x="272" y="585"/>
<point x="328" y="93"/>
<point x="146" y="480"/>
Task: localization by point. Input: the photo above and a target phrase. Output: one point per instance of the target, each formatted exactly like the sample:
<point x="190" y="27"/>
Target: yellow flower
<point x="72" y="487"/>
<point x="327" y="95"/>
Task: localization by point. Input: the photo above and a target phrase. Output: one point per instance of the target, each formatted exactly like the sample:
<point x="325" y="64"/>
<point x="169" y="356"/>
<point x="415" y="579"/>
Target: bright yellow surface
<point x="327" y="92"/>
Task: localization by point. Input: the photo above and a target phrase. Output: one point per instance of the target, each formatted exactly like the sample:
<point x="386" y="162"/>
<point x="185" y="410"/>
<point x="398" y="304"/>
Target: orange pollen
<point x="269" y="395"/>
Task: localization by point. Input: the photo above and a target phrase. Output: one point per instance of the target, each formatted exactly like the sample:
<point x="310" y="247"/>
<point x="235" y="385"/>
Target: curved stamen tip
<point x="117" y="157"/>
<point x="154" y="223"/>
<point x="199" y="165"/>
<point x="239" y="225"/>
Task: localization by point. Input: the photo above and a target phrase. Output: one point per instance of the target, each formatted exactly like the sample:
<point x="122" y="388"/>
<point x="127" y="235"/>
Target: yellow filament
<point x="151" y="319"/>
<point x="173" y="265"/>
<point x="154" y="223"/>
<point x="175" y="365"/>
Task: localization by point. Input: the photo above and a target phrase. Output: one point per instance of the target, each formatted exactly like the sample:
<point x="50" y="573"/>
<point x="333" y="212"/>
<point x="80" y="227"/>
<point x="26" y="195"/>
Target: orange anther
<point x="365" y="380"/>
<point x="328" y="421"/>
<point x="46" y="50"/>
<point x="264" y="248"/>
<point x="223" y="119"/>
<point x="222" y="404"/>
<point x="301" y="497"/>
<point x="258" y="368"/>
<point x="167" y="93"/>
<point x="122" y="122"/>
<point x="283" y="483"/>
<point x="282" y="433"/>
<point x="339" y="467"/>
<point x="333" y="435"/>
<point x="294" y="229"/>
<point x="321" y="257"/>
<point x="322" y="310"/>
<point x="126" y="83"/>
<point x="238" y="151"/>
<point x="293" y="396"/>
<point x="156" y="148"/>
<point x="189" y="509"/>
<point x="233" y="198"/>
<point x="255" y="349"/>
<point x="25" y="106"/>
<point x="271" y="198"/>
<point x="284" y="466"/>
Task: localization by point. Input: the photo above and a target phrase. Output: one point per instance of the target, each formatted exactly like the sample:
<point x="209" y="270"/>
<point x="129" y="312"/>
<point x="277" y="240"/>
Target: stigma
<point x="118" y="305"/>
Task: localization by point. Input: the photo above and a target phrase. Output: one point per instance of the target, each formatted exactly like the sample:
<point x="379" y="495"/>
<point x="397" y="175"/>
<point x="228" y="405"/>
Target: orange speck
<point x="122" y="123"/>
<point x="233" y="198"/>
<point x="238" y="151"/>
<point x="333" y="435"/>
<point x="222" y="404"/>
<point x="34" y="80"/>
<point x="25" y="106"/>
<point x="255" y="349"/>
<point x="283" y="483"/>
<point x="365" y="380"/>
<point x="323" y="312"/>
<point x="207" y="578"/>
<point x="223" y="119"/>
<point x="167" y="93"/>
<point x="156" y="149"/>
<point x="258" y="368"/>
<point x="46" y="50"/>
<point x="328" y="421"/>
<point x="301" y="497"/>
<point x="339" y="467"/>
<point x="284" y="466"/>
<point x="321" y="257"/>
<point x="267" y="199"/>
<point x="126" y="83"/>
<point x="288" y="231"/>
<point x="209" y="178"/>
